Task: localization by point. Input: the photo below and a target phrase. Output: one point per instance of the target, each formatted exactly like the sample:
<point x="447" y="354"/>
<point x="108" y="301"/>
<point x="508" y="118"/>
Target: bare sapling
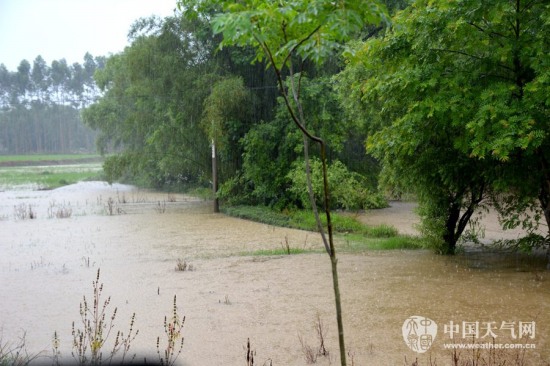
<point x="174" y="338"/>
<point x="89" y="342"/>
<point x="310" y="353"/>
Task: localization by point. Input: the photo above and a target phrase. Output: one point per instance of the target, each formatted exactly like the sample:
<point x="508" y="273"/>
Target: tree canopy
<point x="175" y="88"/>
<point x="456" y="97"/>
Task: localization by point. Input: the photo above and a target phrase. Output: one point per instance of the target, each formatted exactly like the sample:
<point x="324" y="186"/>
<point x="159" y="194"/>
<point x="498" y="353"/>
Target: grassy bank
<point x="48" y="177"/>
<point x="351" y="235"/>
<point x="34" y="159"/>
<point x="47" y="171"/>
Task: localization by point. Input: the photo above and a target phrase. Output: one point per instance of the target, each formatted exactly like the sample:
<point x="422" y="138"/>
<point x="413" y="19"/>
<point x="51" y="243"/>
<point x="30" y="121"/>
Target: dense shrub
<point x="348" y="190"/>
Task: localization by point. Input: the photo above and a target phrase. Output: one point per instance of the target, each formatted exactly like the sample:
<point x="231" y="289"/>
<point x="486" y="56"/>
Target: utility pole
<point x="215" y="178"/>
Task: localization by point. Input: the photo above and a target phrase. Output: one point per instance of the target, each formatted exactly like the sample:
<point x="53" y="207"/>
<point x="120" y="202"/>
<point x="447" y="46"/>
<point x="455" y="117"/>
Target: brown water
<point x="48" y="264"/>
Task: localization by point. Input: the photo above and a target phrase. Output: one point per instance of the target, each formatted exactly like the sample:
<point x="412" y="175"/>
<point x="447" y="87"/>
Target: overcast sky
<point x="68" y="29"/>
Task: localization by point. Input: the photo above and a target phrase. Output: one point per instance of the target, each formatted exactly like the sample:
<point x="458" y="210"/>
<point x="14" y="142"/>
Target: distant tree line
<point x="40" y="106"/>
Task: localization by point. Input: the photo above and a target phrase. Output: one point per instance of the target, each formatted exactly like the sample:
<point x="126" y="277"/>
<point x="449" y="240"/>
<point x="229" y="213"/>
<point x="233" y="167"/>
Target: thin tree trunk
<point x="450" y="225"/>
<point x="295" y="95"/>
<point x="329" y="245"/>
<point x="215" y="178"/>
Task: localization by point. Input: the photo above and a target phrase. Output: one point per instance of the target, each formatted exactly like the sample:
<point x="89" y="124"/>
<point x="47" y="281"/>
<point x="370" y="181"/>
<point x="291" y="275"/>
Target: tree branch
<point x="474" y="202"/>
<point x="301" y="42"/>
<point x="285" y="94"/>
<point x="328" y="244"/>
<point x="470" y="56"/>
<point x="490" y="33"/>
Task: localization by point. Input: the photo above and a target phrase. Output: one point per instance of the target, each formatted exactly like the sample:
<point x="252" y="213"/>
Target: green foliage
<point x="116" y="166"/>
<point x="380" y="231"/>
<point x="356" y="243"/>
<point x="227" y="103"/>
<point x="226" y="118"/>
<point x="342" y="224"/>
<point x="202" y="192"/>
<point x="41" y="159"/>
<point x="520" y="210"/>
<point x="318" y="101"/>
<point x="258" y="213"/>
<point x="349" y="190"/>
<point x="271" y="148"/>
<point x="300" y="219"/>
<point x="526" y="244"/>
<point x="452" y="82"/>
<point x="397" y="242"/>
<point x="50" y="177"/>
<point x="152" y="105"/>
<point x="355" y="235"/>
<point x="434" y="213"/>
<point x="311" y="30"/>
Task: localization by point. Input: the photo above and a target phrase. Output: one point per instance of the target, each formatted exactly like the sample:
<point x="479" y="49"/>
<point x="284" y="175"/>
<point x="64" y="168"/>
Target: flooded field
<point x="47" y="265"/>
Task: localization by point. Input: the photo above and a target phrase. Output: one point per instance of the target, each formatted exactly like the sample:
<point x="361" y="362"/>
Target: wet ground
<point x="136" y="237"/>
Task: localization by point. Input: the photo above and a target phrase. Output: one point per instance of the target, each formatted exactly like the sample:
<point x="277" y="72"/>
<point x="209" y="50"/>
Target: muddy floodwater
<point x="135" y="237"/>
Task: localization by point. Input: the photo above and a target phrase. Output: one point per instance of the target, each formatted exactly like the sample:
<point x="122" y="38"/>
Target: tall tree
<point x="40" y="78"/>
<point x="60" y="75"/>
<point x="456" y="95"/>
<point x="5" y="86"/>
<point x="23" y="79"/>
<point x="509" y="52"/>
<point x="152" y="105"/>
<point x="226" y="118"/>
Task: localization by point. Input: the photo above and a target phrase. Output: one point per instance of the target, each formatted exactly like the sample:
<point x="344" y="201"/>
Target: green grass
<point x="301" y="219"/>
<point x="49" y="177"/>
<point x="48" y="171"/>
<point x="358" y="243"/>
<point x="341" y="224"/>
<point x="46" y="157"/>
<point x="350" y="234"/>
<point x="259" y="214"/>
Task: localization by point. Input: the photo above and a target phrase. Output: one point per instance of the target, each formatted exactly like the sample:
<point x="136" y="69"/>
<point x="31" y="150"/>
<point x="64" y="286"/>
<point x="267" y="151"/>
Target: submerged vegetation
<point x="96" y="340"/>
<point x="351" y="235"/>
<point x="302" y="219"/>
